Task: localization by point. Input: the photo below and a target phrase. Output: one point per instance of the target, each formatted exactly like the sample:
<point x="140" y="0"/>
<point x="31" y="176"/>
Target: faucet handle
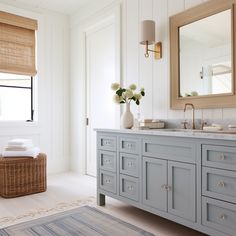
<point x="203" y="123"/>
<point x="184" y="124"/>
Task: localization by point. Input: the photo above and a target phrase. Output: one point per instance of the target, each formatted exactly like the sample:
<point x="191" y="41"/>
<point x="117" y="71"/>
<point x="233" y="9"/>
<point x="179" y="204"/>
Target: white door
<point x="101" y="70"/>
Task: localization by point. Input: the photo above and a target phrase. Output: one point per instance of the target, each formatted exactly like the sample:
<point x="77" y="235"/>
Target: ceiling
<point x="63" y="6"/>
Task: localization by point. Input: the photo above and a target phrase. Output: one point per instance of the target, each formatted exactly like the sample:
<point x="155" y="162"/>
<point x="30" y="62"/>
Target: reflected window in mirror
<point x="205" y="56"/>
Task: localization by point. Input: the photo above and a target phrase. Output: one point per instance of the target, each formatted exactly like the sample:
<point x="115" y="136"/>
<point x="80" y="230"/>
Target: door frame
<point x="97" y="22"/>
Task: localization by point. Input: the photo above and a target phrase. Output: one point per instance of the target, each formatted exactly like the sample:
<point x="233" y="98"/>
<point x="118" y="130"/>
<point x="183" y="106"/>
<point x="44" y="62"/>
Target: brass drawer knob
<point x="222" y="157"/>
<point x="222" y="216"/>
<point x="221" y="184"/>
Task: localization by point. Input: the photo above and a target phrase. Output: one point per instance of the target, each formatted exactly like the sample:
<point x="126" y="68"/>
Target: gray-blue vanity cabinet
<point x="189" y="180"/>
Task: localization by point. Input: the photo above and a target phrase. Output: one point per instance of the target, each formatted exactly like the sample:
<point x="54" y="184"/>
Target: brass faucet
<point x="193" y="113"/>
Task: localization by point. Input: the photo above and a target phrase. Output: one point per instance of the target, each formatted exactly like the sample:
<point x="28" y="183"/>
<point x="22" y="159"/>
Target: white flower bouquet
<point x="126" y="95"/>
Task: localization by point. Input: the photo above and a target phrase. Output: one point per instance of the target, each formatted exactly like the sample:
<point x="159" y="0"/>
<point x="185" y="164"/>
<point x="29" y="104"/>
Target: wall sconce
<point x="148" y="38"/>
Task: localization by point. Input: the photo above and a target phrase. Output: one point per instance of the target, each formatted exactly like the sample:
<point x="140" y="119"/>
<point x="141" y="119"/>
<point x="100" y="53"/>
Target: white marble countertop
<point x="222" y="135"/>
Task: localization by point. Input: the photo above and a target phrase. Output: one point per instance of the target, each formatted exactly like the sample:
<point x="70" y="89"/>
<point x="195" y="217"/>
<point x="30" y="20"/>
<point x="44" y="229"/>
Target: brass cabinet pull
<point x="129" y="145"/>
<point x="130" y="164"/>
<point x="166" y="187"/>
<point x="130" y="188"/>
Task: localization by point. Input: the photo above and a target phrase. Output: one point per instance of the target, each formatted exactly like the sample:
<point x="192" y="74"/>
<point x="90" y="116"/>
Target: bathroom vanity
<point x="184" y="176"/>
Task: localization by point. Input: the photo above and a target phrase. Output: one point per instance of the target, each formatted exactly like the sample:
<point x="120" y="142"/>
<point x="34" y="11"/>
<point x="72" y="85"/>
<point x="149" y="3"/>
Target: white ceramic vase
<point x="127" y="118"/>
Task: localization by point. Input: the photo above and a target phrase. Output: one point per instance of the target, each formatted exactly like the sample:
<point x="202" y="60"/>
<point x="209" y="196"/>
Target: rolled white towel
<point x="17" y="148"/>
<point x="33" y="152"/>
<point x="20" y="142"/>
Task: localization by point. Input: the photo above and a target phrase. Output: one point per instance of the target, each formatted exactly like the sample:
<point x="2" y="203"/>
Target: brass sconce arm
<point x="157" y="51"/>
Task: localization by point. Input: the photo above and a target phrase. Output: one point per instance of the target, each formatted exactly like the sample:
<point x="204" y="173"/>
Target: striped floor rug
<point x="82" y="221"/>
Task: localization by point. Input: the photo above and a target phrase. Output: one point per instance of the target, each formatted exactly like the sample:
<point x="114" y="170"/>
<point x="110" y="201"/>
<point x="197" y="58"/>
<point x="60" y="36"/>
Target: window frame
<point x="31" y="98"/>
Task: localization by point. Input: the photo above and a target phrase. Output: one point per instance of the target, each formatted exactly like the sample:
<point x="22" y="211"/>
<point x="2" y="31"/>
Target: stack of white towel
<point x="20" y="148"/>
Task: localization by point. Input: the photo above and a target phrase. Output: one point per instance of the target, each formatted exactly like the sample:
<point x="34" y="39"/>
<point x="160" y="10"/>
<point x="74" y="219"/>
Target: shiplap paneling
<point x="160" y="67"/>
<point x="145" y="64"/>
<point x="192" y="3"/>
<point x="132" y="45"/>
<point x="228" y="113"/>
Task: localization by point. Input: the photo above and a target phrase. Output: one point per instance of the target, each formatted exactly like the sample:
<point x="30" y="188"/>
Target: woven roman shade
<point x="17" y="44"/>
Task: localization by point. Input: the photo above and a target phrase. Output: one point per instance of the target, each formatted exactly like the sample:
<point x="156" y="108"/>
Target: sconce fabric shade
<point x="147" y="32"/>
<point x="17" y="44"/>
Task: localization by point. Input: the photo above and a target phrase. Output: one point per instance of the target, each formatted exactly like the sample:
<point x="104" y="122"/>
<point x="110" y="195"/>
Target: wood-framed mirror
<point x="202" y="56"/>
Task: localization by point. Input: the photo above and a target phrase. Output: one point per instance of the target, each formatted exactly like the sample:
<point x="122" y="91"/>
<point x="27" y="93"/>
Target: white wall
<point x="152" y="74"/>
<point x="51" y="132"/>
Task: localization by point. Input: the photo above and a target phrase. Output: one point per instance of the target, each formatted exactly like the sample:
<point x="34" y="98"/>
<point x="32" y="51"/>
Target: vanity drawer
<point x="169" y="149"/>
<point x="129" y="145"/>
<point x="107" y="160"/>
<point x="129" y="187"/>
<point x="129" y="164"/>
<point x="219" y="156"/>
<point x="107" y="143"/>
<point x="108" y="181"/>
<point x="219" y="184"/>
<point x="219" y="215"/>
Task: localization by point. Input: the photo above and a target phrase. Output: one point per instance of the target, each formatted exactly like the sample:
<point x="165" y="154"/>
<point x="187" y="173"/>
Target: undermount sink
<point x="200" y="131"/>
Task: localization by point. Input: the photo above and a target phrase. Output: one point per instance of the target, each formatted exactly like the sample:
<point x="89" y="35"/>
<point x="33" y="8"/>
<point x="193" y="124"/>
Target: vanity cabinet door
<point x="181" y="190"/>
<point x="154" y="183"/>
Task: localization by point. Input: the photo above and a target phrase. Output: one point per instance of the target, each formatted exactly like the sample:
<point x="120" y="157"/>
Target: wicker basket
<point x="22" y="176"/>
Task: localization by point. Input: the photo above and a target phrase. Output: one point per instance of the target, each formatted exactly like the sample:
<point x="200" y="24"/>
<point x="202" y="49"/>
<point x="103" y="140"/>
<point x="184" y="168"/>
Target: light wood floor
<point x="71" y="188"/>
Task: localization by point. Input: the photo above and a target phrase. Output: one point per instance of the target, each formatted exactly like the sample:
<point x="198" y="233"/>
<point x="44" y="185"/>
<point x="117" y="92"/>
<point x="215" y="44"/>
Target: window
<point x="16" y="97"/>
<point x="17" y="67"/>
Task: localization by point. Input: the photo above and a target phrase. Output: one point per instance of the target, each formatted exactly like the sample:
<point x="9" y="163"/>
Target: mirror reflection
<point x="205" y="56"/>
